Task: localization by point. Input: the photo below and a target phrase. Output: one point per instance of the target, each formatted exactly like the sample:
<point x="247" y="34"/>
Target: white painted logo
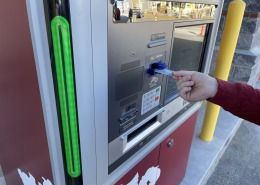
<point x="150" y="177"/>
<point x="30" y="180"/>
<point x="184" y="103"/>
<point x="153" y="82"/>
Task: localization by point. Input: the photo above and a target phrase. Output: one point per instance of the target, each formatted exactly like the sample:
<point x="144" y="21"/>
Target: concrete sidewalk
<point x="204" y="156"/>
<point x="240" y="164"/>
<point x="2" y="181"/>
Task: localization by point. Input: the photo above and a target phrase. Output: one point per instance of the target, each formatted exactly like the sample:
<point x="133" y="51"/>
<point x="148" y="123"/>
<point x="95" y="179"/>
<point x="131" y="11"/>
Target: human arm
<point x="240" y="99"/>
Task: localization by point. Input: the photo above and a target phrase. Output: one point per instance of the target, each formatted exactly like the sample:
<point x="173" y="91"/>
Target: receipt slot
<point x="107" y="118"/>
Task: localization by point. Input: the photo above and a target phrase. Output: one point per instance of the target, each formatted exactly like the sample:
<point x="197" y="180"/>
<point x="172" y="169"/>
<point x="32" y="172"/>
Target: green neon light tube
<point x="64" y="71"/>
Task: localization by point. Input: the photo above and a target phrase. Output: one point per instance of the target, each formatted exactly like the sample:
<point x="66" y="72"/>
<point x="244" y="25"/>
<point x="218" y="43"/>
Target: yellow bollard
<point x="224" y="60"/>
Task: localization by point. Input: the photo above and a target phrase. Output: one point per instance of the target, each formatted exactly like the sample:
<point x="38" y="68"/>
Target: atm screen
<point x="187" y="53"/>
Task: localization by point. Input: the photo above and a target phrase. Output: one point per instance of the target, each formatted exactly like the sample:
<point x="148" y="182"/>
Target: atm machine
<point x="108" y="119"/>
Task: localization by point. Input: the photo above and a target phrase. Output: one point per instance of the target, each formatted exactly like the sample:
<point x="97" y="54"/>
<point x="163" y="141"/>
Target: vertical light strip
<point x="64" y="70"/>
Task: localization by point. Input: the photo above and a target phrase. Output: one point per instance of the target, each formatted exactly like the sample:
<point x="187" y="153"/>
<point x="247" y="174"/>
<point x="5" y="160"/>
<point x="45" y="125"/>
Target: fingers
<point x="183" y="79"/>
<point x="184" y="85"/>
<point x="177" y="74"/>
<point x="185" y="92"/>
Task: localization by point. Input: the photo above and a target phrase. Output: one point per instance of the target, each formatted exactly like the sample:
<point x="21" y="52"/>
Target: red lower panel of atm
<point x="144" y="168"/>
<point x="23" y="140"/>
<point x="173" y="160"/>
<point x="166" y="164"/>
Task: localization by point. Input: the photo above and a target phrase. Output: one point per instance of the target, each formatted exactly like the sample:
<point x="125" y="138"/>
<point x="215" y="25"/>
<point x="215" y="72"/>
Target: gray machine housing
<point x="98" y="44"/>
<point x="129" y="83"/>
<point x="134" y="115"/>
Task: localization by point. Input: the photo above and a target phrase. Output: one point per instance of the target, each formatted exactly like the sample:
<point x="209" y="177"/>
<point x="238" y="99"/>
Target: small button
<point x="161" y="36"/>
<point x="146" y="139"/>
<point x="141" y="143"/>
<point x="153" y="37"/>
<point x="170" y="143"/>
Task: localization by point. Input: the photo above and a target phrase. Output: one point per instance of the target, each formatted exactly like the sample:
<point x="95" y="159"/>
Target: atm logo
<point x="153" y="82"/>
<point x="150" y="177"/>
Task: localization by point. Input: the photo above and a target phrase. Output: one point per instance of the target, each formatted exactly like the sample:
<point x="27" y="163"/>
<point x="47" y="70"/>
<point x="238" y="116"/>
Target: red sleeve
<point x="240" y="99"/>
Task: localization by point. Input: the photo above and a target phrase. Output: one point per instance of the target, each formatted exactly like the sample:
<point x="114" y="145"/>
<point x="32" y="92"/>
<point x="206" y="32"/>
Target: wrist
<point x="213" y="87"/>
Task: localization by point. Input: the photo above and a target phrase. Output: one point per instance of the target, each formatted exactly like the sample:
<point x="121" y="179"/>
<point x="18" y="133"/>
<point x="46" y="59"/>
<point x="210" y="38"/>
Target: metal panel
<point x="211" y="44"/>
<point x="99" y="44"/>
<point x="82" y="50"/>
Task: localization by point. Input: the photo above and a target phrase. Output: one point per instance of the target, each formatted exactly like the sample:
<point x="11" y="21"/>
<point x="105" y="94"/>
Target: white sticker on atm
<point x="30" y="180"/>
<point x="150" y="100"/>
<point x="151" y="176"/>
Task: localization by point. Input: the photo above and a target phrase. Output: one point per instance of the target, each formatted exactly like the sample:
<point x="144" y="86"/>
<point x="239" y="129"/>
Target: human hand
<point x="194" y="86"/>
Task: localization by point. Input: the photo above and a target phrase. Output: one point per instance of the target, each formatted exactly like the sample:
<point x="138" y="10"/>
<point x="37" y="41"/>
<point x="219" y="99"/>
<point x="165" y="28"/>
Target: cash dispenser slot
<point x="141" y="133"/>
<point x="138" y="131"/>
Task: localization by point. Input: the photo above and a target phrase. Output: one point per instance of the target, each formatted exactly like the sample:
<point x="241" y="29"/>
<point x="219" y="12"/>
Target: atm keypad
<point x="150" y="100"/>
